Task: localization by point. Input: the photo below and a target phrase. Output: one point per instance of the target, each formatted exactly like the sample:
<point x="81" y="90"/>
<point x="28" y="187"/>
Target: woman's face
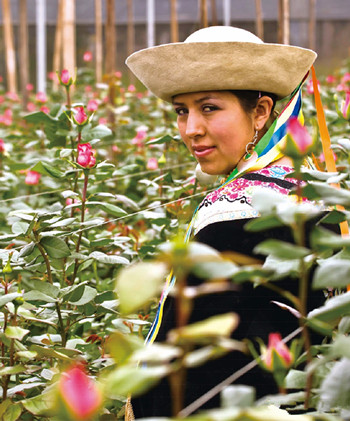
<point x="215" y="128"/>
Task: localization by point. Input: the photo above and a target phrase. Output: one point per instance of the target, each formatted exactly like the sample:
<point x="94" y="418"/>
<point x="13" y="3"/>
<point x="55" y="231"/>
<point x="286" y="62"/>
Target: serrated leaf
<point x="45" y="168"/>
<point x="7" y="298"/>
<point x="107" y="207"/>
<point x="109" y="259"/>
<point x="40" y="405"/>
<point x="8" y="371"/>
<point x="27" y="250"/>
<point x="132" y="380"/>
<point x="48" y="352"/>
<point x="281" y="249"/>
<point x="19" y="228"/>
<point x="15" y="332"/>
<point x="335" y="389"/>
<point x="13" y="412"/>
<point x="87" y="296"/>
<point x="55" y="247"/>
<point x="97" y="132"/>
<point x="38" y="296"/>
<point x="138" y="284"/>
<point x="205" y="331"/>
<point x="332" y="274"/>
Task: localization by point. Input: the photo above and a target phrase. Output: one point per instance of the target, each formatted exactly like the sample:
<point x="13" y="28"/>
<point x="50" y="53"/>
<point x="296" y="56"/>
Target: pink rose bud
<point x="131" y="88"/>
<point x="331" y="79"/>
<point x="87" y="56"/>
<point x="118" y="74"/>
<point x="300" y="135"/>
<point x="2" y="146"/>
<point x="32" y="178"/>
<point x="41" y="97"/>
<point x="152" y="164"/>
<point x="92" y="105"/>
<point x="80" y="117"/>
<point x="45" y="109"/>
<point x="79" y="393"/>
<point x="102" y="120"/>
<point x="279" y="348"/>
<point x="51" y="75"/>
<point x="346" y="106"/>
<point x="346" y="77"/>
<point x="12" y="96"/>
<point x="65" y="78"/>
<point x="31" y="106"/>
<point x="29" y="87"/>
<point x="86" y="156"/>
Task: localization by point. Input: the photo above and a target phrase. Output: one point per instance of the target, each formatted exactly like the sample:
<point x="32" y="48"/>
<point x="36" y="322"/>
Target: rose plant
<point x="82" y="265"/>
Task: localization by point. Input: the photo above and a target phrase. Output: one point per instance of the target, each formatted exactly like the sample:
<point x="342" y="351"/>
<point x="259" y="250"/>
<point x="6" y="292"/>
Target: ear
<point x="262" y="111"/>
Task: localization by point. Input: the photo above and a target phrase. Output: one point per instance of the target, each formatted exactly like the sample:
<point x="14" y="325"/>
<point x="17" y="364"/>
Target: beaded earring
<point x="250" y="156"/>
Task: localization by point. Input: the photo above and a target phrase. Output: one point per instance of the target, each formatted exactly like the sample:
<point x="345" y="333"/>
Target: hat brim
<point x="171" y="69"/>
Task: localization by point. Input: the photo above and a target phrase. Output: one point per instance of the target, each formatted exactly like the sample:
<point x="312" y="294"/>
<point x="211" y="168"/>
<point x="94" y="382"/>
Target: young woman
<point x="223" y="83"/>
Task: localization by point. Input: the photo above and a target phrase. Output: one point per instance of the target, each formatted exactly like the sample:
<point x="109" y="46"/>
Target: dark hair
<point x="249" y="99"/>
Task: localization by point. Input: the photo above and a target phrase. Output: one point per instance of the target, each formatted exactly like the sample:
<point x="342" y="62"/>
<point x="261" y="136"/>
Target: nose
<point x="194" y="125"/>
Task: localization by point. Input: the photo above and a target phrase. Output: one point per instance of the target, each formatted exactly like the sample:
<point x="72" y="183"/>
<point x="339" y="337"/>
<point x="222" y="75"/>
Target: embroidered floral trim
<point x="233" y="201"/>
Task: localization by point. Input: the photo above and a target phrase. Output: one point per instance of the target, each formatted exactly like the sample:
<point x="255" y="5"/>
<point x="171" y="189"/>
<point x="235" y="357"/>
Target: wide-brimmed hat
<point x="221" y="58"/>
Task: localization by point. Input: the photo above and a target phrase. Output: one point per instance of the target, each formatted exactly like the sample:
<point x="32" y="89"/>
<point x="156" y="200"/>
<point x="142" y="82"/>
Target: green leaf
<point x="63" y="223"/>
<point x="322" y="238"/>
<point x="333" y="273"/>
<point x="44" y="287"/>
<point x="295" y="379"/>
<point x="40" y="405"/>
<point x="132" y="380"/>
<point x="8" y="371"/>
<point x="109" y="259"/>
<point x="19" y="228"/>
<point x="48" y="353"/>
<point x="334" y="308"/>
<point x="121" y="346"/>
<point x="263" y="223"/>
<point x="13" y="412"/>
<point x="27" y="250"/>
<point x="97" y="132"/>
<point x="44" y="168"/>
<point x="329" y="195"/>
<point x="38" y="296"/>
<point x="237" y="396"/>
<point x="7" y="298"/>
<point x="335" y="389"/>
<point x="16" y="332"/>
<point x="205" y="331"/>
<point x="107" y="207"/>
<point x="160" y="140"/>
<point x="281" y="249"/>
<point x="55" y="247"/>
<point x="87" y="296"/>
<point x="138" y="284"/>
<point x="39" y="117"/>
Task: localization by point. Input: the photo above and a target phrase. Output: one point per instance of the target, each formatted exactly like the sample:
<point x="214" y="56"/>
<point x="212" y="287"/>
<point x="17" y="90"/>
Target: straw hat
<point x="221" y="58"/>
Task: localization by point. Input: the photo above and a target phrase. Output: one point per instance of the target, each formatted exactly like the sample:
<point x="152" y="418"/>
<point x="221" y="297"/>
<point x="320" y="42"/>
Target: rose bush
<point x="109" y="185"/>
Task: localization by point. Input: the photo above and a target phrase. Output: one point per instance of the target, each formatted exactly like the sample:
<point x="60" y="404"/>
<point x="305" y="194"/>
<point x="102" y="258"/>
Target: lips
<point x="200" y="151"/>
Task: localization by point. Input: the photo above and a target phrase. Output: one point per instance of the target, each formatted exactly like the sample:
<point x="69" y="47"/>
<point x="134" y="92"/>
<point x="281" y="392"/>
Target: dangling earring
<point x="250" y="156"/>
<point x="203" y="178"/>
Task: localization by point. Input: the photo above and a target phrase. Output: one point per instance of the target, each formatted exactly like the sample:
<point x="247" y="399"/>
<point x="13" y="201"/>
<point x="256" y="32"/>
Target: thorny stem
<point x="49" y="277"/>
<point x="303" y="296"/>
<point x="83" y="201"/>
<point x="68" y="98"/>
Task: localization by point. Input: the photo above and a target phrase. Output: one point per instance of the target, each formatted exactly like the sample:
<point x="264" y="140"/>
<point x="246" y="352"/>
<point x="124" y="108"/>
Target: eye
<point x="180" y="110"/>
<point x="209" y="108"/>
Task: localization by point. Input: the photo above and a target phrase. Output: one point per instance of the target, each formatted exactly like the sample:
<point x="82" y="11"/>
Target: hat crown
<point x="223" y="34"/>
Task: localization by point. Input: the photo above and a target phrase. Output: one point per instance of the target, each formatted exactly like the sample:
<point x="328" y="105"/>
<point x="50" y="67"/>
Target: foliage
<point x="82" y="266"/>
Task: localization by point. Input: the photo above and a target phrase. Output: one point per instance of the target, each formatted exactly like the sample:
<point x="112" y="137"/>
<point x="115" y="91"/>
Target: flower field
<point x="95" y="181"/>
